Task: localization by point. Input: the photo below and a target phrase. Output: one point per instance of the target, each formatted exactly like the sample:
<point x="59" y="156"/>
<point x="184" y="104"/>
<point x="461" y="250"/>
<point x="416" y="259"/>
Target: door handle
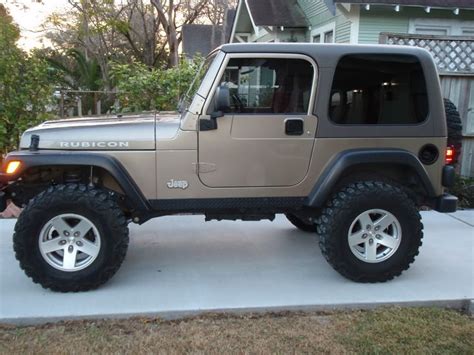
<point x="294" y="126"/>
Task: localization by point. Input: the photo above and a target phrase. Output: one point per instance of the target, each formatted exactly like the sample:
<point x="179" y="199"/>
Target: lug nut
<point x="79" y="243"/>
<point x="368" y="227"/>
<point x="77" y="234"/>
<point x="377" y="228"/>
<point x="62" y="242"/>
<point x="378" y="236"/>
<point x="371" y="241"/>
<point x="364" y="235"/>
<point x="70" y="249"/>
<point x="66" y="233"/>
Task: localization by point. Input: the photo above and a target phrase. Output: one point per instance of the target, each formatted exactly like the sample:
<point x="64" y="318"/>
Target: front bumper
<point x="446" y="203"/>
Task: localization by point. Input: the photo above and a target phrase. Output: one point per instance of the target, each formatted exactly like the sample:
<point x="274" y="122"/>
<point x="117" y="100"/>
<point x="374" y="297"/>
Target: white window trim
<point x="321" y="30"/>
<point x="354" y="17"/>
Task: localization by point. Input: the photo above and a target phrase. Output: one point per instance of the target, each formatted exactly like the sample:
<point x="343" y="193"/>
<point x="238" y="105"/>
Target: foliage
<point x="463" y="189"/>
<point x="146" y="31"/>
<point x="141" y="88"/>
<point x="25" y="86"/>
<point x="81" y="74"/>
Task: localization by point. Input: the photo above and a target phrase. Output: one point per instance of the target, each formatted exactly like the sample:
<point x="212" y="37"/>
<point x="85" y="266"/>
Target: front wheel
<point x="370" y="231"/>
<point x="71" y="238"/>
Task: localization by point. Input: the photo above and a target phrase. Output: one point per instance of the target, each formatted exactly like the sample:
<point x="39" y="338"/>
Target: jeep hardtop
<point x="348" y="141"/>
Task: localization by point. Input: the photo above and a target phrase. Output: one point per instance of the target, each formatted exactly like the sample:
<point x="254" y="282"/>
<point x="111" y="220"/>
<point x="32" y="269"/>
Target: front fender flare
<point x="64" y="158"/>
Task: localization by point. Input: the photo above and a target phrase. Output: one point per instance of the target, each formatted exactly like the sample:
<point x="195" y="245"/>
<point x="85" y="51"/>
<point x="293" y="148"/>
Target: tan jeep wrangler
<point x="347" y="141"/>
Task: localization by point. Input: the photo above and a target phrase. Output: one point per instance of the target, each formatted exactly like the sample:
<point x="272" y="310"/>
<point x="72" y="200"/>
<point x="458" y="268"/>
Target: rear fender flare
<point x="350" y="158"/>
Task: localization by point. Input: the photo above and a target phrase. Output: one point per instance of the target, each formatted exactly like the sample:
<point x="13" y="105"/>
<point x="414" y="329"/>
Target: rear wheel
<point x="71" y="238"/>
<point x="304" y="224"/>
<point x="370" y="231"/>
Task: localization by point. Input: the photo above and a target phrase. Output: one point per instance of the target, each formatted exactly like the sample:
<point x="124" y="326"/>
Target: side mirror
<point x="222" y="99"/>
<point x="221" y="105"/>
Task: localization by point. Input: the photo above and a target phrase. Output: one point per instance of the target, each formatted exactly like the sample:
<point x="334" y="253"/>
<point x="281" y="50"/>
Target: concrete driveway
<point x="180" y="265"/>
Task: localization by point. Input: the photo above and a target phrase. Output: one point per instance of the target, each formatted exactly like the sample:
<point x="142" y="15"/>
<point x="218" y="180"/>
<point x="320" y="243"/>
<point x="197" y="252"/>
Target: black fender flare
<point x="40" y="158"/>
<point x="349" y="158"/>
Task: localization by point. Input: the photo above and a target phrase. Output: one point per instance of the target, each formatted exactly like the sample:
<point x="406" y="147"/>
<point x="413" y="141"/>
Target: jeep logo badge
<point x="177" y="184"/>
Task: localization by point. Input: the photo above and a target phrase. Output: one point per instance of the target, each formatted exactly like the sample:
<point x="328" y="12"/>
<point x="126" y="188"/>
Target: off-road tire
<point x="93" y="203"/>
<point x="341" y="210"/>
<point x="454" y="123"/>
<point x="300" y="223"/>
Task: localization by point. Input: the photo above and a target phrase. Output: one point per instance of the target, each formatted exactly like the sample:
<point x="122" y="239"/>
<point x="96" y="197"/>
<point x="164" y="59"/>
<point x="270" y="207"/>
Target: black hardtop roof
<point x="324" y="54"/>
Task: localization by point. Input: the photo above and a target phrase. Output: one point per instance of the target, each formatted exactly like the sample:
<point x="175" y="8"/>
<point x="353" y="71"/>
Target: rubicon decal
<point x="94" y="144"/>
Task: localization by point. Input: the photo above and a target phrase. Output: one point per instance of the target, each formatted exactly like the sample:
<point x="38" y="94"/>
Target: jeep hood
<point x="133" y="132"/>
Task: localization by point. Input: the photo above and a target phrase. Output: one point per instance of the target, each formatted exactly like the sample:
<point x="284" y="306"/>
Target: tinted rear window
<point x="378" y="89"/>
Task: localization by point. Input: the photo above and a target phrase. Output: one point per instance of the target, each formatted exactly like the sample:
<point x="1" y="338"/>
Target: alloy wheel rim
<point x="69" y="242"/>
<point x="374" y="235"/>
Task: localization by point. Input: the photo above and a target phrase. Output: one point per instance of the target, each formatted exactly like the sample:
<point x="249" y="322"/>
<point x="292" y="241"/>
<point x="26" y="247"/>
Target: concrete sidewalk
<point x="182" y="265"/>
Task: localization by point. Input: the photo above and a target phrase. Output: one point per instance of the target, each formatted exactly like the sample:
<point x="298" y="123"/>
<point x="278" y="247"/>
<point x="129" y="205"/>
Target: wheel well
<point x="37" y="179"/>
<point x="404" y="176"/>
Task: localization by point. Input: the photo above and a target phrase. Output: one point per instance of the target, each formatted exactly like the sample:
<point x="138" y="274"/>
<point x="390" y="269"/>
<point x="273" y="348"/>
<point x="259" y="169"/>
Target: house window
<point x="468" y="31"/>
<point x="433" y="31"/>
<point x="378" y="89"/>
<point x="329" y="37"/>
<point x="268" y="85"/>
<point x="441" y="27"/>
<point x="324" y="33"/>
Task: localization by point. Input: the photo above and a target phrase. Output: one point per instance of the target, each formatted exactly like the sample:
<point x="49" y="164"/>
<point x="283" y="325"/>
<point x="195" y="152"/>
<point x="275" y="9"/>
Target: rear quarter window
<point x="378" y="89"/>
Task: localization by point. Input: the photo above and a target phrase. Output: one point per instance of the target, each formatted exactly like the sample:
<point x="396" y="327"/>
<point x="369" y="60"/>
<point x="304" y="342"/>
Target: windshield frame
<point x="196" y="102"/>
<point x="186" y="101"/>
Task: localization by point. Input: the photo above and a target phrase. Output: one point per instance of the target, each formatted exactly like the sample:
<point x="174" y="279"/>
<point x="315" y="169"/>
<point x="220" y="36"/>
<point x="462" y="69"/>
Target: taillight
<point x="449" y="159"/>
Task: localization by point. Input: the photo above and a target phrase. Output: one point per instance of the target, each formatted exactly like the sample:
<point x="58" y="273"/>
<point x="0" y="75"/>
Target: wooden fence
<point x="454" y="57"/>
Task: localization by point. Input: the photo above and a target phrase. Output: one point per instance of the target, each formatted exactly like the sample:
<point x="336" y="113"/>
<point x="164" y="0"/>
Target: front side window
<point x="378" y="89"/>
<point x="269" y="85"/>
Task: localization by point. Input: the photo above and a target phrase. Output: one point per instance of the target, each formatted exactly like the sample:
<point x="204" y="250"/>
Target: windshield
<point x="193" y="88"/>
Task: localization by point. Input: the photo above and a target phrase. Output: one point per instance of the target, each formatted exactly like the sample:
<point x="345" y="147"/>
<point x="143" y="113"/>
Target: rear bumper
<point x="448" y="176"/>
<point x="446" y="203"/>
<point x="3" y="201"/>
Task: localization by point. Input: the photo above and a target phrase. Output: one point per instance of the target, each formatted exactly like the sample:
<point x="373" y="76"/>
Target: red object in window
<point x="449" y="155"/>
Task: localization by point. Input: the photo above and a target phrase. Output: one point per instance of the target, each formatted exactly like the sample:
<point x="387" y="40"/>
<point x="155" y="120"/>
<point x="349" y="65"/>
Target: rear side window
<point x="378" y="89"/>
<point x="269" y="85"/>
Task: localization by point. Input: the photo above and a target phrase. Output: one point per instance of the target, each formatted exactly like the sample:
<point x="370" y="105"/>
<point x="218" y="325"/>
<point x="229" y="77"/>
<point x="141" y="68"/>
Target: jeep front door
<point x="266" y="136"/>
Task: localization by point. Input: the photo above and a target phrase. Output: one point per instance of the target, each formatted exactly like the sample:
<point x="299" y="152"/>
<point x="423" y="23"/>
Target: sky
<point x="29" y="15"/>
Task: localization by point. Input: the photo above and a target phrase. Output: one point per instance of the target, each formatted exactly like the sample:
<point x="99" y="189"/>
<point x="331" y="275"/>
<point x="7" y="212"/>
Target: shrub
<point x="142" y="88"/>
<point x="464" y="190"/>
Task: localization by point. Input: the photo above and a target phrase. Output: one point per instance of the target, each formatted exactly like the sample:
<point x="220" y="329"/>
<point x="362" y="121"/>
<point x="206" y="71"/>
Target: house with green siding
<point x="443" y="27"/>
<point x="349" y="21"/>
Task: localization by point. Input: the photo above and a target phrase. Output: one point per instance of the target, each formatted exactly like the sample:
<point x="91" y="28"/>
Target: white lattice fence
<point x="452" y="54"/>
